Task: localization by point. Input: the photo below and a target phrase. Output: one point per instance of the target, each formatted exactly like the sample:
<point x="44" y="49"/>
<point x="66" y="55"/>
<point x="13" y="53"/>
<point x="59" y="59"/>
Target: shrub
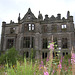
<point x="10" y="56"/>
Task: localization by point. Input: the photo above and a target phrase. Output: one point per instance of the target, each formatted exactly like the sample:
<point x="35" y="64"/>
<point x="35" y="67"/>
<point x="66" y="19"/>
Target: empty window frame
<point x="54" y="54"/>
<point x="64" y="43"/>
<point x="31" y="27"/>
<point x="63" y="26"/>
<point x="44" y="55"/>
<point x="56" y="42"/>
<point x="32" y="42"/>
<point x="10" y="43"/>
<point x="26" y="42"/>
<point x="45" y="43"/>
<point x="12" y="30"/>
<point x="26" y="54"/>
<point x="65" y="53"/>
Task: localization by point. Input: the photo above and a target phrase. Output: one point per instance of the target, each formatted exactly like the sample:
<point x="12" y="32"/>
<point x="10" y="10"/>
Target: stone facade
<point x="31" y="32"/>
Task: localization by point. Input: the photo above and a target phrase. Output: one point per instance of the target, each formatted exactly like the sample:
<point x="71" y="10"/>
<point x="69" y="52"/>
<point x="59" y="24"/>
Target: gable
<point x="29" y="15"/>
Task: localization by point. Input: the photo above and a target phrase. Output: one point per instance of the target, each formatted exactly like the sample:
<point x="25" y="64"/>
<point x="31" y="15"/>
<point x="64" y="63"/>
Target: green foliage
<point x="10" y="56"/>
<point x="2" y="59"/>
<point x="32" y="54"/>
<point x="22" y="69"/>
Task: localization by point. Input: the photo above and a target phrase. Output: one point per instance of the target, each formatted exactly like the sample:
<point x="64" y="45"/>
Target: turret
<point x="40" y="17"/>
<point x="70" y="18"/>
<point x="58" y="16"/>
<point x="46" y="17"/>
<point x="2" y="34"/>
<point x="68" y="15"/>
<point x="3" y="24"/>
<point x="19" y="18"/>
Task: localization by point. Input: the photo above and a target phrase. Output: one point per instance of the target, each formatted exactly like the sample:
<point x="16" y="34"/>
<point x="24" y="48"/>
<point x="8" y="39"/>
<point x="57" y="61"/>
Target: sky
<point x="10" y="9"/>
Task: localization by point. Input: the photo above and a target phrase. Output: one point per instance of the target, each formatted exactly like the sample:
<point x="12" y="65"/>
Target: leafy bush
<point x="10" y="56"/>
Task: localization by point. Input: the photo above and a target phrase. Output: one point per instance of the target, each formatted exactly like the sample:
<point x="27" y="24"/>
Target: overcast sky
<point x="10" y="9"/>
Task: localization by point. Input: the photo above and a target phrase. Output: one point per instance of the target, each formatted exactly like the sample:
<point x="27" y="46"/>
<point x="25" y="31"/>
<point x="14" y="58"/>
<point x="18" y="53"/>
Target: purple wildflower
<point x="61" y="60"/>
<point x="51" y="46"/>
<point x="46" y="73"/>
<point x="73" y="58"/>
<point x="47" y="59"/>
<point x="60" y="66"/>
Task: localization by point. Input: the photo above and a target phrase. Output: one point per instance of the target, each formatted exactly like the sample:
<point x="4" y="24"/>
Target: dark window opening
<point x="10" y="43"/>
<point x="27" y="54"/>
<point x="54" y="54"/>
<point x="32" y="42"/>
<point x="45" y="44"/>
<point x="64" y="43"/>
<point x="26" y="42"/>
<point x="56" y="43"/>
<point x="44" y="55"/>
<point x="66" y="53"/>
<point x="63" y="54"/>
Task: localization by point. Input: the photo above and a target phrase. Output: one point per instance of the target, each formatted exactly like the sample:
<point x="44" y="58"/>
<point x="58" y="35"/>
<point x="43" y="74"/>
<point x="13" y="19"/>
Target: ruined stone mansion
<point x="31" y="32"/>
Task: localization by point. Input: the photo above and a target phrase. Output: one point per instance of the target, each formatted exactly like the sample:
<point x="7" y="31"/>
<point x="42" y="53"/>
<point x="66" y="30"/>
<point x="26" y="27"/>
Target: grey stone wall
<point x="38" y="35"/>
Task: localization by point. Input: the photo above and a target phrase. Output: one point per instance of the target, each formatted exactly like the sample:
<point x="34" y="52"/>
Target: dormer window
<point x="63" y="26"/>
<point x="31" y="27"/>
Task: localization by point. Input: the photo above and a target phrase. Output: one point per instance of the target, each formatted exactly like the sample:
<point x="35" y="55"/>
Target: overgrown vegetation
<point x="12" y="64"/>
